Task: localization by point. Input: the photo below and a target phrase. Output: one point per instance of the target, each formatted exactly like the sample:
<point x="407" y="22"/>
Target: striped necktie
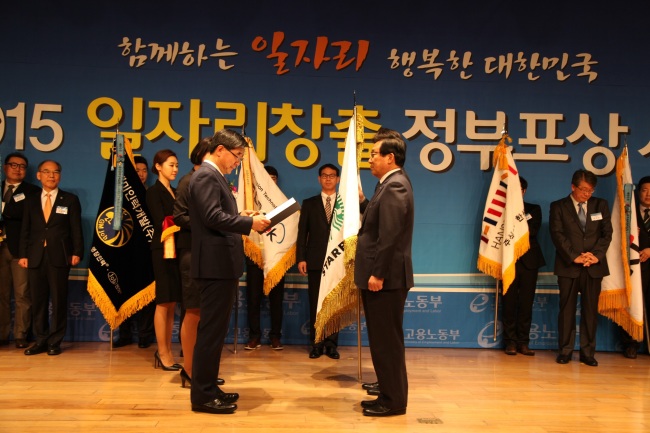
<point x="582" y="216"/>
<point x="328" y="208"/>
<point x="646" y="219"/>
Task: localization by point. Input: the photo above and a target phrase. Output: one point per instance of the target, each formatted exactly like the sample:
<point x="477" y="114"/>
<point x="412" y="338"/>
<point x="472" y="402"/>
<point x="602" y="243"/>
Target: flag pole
<point x="496" y="310"/>
<point x="504" y="132"/>
<point x="359" y="370"/>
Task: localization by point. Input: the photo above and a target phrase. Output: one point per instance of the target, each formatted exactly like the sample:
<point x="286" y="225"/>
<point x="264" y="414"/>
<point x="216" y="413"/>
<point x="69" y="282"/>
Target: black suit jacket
<point x="570" y="241"/>
<point x="386" y="235"/>
<point x="182" y="213"/>
<point x="62" y="231"/>
<point x="12" y="215"/>
<point x="313" y="233"/>
<point x="217" y="246"/>
<point x="161" y="204"/>
<point x="644" y="240"/>
<point x="533" y="258"/>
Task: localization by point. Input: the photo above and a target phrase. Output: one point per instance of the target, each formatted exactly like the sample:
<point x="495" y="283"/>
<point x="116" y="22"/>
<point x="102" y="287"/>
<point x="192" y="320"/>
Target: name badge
<point x="19" y="197"/>
<point x="63" y="210"/>
<point x="529" y="217"/>
<point x="596" y="216"/>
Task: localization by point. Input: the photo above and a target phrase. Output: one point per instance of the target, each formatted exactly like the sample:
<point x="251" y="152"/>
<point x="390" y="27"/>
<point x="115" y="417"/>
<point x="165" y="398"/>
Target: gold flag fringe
<point x="253" y="251"/>
<point x="114" y="317"/>
<point x="339" y="307"/>
<point x="494" y="269"/>
<point x="614" y="304"/>
<point x="281" y="267"/>
<point x="168" y="232"/>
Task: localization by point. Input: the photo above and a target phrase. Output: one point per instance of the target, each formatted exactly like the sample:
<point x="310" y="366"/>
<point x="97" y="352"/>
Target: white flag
<point x="504" y="235"/>
<point x="338" y="294"/>
<point x="275" y="250"/>
<point x="621" y="296"/>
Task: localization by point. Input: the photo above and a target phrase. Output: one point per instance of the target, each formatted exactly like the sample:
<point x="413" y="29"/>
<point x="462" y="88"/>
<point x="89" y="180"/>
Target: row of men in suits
<point x="581" y="230"/>
<point x="42" y="239"/>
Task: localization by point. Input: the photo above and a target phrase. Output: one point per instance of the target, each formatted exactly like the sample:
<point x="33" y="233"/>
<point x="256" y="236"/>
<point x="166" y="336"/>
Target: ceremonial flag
<point x="338" y="295"/>
<point x="275" y="250"/>
<point x="621" y="297"/>
<point x="120" y="274"/>
<point x="504" y="235"/>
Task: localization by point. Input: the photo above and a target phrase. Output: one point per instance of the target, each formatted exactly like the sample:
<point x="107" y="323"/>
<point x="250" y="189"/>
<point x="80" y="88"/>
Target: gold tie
<point x="47" y="209"/>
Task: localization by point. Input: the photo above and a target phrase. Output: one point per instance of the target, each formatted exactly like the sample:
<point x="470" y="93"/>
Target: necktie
<point x="582" y="216"/>
<point x="328" y="208"/>
<point x="646" y="219"/>
<point x="8" y="193"/>
<point x="47" y="209"/>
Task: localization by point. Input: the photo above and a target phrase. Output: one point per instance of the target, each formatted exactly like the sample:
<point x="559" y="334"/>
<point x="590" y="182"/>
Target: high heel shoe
<point x="157" y="362"/>
<point x="185" y="378"/>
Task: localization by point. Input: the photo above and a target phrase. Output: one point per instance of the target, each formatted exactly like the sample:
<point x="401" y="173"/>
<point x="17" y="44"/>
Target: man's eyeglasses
<point x="239" y="158"/>
<point x="586" y="190"/>
<point x="48" y="172"/>
<point x="329" y="176"/>
<point x="15" y="165"/>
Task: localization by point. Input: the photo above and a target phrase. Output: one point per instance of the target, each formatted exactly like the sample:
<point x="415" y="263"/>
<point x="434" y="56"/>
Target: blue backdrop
<point x="567" y="79"/>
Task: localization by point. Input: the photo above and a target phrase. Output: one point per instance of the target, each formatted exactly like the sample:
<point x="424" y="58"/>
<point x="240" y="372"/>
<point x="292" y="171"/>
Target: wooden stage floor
<point x="90" y="388"/>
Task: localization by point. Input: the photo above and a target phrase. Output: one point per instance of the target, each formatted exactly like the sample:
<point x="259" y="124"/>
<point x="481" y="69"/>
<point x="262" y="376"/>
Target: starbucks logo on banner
<point x="105" y="232"/>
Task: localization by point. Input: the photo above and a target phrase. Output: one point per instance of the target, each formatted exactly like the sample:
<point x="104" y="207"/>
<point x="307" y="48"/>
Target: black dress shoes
<point x="373" y="391"/>
<point x="121" y="342"/>
<point x="220" y="381"/>
<point x="316" y="352"/>
<point x="589" y="360"/>
<point x="525" y="350"/>
<point x="563" y="359"/>
<point x="54" y="350"/>
<point x="511" y="349"/>
<point x="216" y="407"/>
<point x="228" y="397"/>
<point x="36" y="349"/>
<point x="380" y="410"/>
<point x="369" y="403"/>
<point x="21" y="343"/>
<point x="332" y="352"/>
<point x="370" y="385"/>
<point x="630" y="352"/>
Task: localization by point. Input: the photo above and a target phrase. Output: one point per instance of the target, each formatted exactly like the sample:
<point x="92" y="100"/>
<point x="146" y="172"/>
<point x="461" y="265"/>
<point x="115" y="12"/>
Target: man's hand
<point x="302" y="267"/>
<point x="375" y="284"/>
<point x="22" y="263"/>
<point x="75" y="260"/>
<point x="644" y="254"/>
<point x="260" y="223"/>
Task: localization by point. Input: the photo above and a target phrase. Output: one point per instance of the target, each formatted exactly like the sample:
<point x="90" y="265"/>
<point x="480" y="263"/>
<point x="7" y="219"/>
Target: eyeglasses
<point x="15" y="165"/>
<point x="239" y="158"/>
<point x="586" y="190"/>
<point x="329" y="176"/>
<point x="48" y="172"/>
<point x="373" y="154"/>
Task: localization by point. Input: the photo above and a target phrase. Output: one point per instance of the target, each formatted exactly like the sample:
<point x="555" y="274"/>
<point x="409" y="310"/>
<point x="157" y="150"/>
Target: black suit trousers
<point x="254" y="296"/>
<point x="49" y="283"/>
<point x="217" y="299"/>
<point x="384" y="312"/>
<point x="518" y="306"/>
<point x="313" y="288"/>
<point x="589" y="289"/>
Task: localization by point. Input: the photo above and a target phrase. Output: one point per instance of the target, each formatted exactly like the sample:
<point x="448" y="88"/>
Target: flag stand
<point x="496" y="310"/>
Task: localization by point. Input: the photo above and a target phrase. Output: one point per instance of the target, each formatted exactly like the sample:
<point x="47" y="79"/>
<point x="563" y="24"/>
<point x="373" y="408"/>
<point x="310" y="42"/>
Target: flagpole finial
<point x="354" y="98"/>
<point x="504" y="131"/>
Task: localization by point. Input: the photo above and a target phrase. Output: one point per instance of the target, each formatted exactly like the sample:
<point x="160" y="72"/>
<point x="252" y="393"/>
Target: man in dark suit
<point x="12" y="276"/>
<point x="51" y="241"/>
<point x="630" y="347"/>
<point x="384" y="270"/>
<point x="581" y="230"/>
<point x="518" y="300"/>
<point x="311" y="245"/>
<point x="217" y="262"/>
